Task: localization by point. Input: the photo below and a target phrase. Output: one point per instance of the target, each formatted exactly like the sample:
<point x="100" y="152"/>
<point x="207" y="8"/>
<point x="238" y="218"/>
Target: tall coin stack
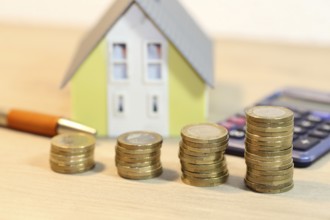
<point x="268" y="149"/>
<point x="202" y="154"/>
<point x="138" y="155"/>
<point x="72" y="153"/>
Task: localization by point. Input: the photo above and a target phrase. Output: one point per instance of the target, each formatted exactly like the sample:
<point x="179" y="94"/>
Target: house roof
<point x="171" y="19"/>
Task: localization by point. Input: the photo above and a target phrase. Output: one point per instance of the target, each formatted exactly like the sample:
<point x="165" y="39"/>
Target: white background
<point x="294" y="21"/>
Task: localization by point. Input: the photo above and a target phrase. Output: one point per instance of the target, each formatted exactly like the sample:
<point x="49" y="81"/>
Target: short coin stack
<point x="72" y="153"/>
<point x="268" y="149"/>
<point x="138" y="155"/>
<point x="202" y="154"/>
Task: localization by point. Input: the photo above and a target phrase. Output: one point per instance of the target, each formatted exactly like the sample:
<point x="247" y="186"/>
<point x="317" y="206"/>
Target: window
<point x="154" y="62"/>
<point x="119" y="62"/>
<point x="153" y="105"/>
<point x="120" y="107"/>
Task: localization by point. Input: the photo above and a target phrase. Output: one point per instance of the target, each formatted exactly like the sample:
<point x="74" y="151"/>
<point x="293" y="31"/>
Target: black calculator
<point x="311" y="139"/>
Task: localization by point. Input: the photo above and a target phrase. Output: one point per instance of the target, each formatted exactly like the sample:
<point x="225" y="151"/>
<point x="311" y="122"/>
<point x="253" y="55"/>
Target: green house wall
<point x="187" y="97"/>
<point x="89" y="89"/>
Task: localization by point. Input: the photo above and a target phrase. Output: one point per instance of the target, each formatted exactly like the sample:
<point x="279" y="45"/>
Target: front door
<point x="137" y="76"/>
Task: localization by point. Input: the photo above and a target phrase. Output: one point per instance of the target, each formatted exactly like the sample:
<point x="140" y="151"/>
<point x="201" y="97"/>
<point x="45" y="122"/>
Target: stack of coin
<point x="268" y="149"/>
<point x="72" y="153"/>
<point x="202" y="154"/>
<point x="138" y="155"/>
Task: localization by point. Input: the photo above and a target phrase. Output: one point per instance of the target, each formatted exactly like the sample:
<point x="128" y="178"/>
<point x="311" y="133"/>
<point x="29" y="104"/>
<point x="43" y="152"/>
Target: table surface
<point x="32" y="63"/>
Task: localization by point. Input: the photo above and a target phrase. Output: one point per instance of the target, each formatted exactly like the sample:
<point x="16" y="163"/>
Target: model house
<point x="146" y="65"/>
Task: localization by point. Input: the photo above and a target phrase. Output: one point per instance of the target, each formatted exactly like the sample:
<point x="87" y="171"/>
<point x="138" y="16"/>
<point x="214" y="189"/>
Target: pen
<point x="42" y="124"/>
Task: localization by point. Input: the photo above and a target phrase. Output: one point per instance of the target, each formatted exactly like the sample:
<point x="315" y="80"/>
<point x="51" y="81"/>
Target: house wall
<point x="88" y="88"/>
<point x="187" y="93"/>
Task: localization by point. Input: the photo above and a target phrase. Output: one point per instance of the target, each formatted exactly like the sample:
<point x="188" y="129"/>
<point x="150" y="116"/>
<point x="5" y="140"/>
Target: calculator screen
<point x="301" y="103"/>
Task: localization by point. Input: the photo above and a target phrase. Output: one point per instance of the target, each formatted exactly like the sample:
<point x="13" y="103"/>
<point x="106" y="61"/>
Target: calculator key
<point x="295" y="136"/>
<point x="240" y="121"/>
<point x="297" y="116"/>
<point x="237" y="134"/>
<point x="306" y="124"/>
<point x="314" y="118"/>
<point x="228" y="125"/>
<point x="324" y="127"/>
<point x="301" y="112"/>
<point x="305" y="143"/>
<point x="299" y="130"/>
<point x="319" y="134"/>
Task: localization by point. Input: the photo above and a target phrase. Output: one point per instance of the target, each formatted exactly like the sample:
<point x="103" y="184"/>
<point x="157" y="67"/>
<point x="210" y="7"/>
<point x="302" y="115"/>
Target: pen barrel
<point x="32" y="122"/>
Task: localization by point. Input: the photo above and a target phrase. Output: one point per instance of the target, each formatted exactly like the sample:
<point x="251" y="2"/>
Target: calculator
<point x="311" y="138"/>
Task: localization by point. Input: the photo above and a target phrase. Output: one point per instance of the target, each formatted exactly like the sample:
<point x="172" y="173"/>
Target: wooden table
<point x="32" y="63"/>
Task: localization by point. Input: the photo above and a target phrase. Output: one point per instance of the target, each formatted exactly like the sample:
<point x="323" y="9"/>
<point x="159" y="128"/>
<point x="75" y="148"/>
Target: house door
<point x="137" y="76"/>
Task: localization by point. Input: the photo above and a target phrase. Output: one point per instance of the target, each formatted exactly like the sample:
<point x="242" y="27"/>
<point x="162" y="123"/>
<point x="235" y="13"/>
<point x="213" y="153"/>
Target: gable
<point x="171" y="19"/>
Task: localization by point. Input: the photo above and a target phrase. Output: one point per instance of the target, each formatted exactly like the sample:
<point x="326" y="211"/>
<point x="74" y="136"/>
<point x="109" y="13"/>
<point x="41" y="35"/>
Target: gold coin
<point x="144" y="151"/>
<point x="207" y="182"/>
<point x="70" y="157"/>
<point x="289" y="170"/>
<point x="203" y="167"/>
<point x="271" y="153"/>
<point x="73" y="142"/>
<point x="266" y="186"/>
<point x="210" y="157"/>
<point x="70" y="170"/>
<point x="268" y="182"/>
<point x="198" y="154"/>
<point x="204" y="133"/>
<point x="268" y="163"/>
<point x="269" y="114"/>
<point x="268" y="178"/>
<point x="248" y="156"/>
<point x="270" y="190"/>
<point x="270" y="129"/>
<point x="72" y="161"/>
<point x="137" y="172"/>
<point x="205" y="145"/>
<point x="277" y="143"/>
<point x="269" y="168"/>
<point x="270" y="125"/>
<point x="263" y="150"/>
<point x="140" y="176"/>
<point x="269" y="138"/>
<point x="200" y="161"/>
<point x="139" y="169"/>
<point x="269" y="134"/>
<point x="216" y="173"/>
<point x="135" y="164"/>
<point x="139" y="140"/>
<point x="203" y="150"/>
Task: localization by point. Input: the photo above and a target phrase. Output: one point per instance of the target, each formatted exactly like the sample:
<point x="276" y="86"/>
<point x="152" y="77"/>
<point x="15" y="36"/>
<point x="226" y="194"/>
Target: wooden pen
<point x="42" y="124"/>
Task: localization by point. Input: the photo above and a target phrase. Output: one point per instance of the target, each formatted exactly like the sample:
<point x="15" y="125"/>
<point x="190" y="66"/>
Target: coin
<point x="138" y="151"/>
<point x="206" y="150"/>
<point x="201" y="154"/>
<point x="138" y="155"/>
<point x="269" y="189"/>
<point x="142" y="176"/>
<point x="72" y="153"/>
<point x="269" y="114"/>
<point x="204" y="182"/>
<point x="139" y="140"/>
<point x="205" y="145"/>
<point x="268" y="149"/>
<point x="204" y="133"/>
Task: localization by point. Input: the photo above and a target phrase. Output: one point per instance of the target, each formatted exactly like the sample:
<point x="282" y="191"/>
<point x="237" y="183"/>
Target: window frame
<point x="112" y="61"/>
<point x="147" y="61"/>
<point x="150" y="112"/>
